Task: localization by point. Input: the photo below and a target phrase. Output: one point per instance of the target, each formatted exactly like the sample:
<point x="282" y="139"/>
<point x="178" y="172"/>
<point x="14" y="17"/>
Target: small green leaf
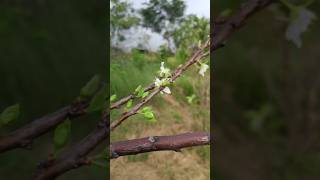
<point x="61" y="134"/>
<point x="113" y="98"/>
<point x="145" y="94"/>
<point x="140" y="93"/>
<point x="10" y="114"/>
<point x="90" y="88"/>
<point x="148" y="115"/>
<point x="129" y="103"/>
<point x="191" y="98"/>
<point x="98" y="102"/>
<point x="146" y="109"/>
<point x="138" y="89"/>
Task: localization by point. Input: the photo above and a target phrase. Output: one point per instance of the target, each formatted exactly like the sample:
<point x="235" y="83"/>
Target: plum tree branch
<point x="220" y="31"/>
<point x="124" y="100"/>
<point x="24" y="136"/>
<point x="74" y="158"/>
<point x="158" y="143"/>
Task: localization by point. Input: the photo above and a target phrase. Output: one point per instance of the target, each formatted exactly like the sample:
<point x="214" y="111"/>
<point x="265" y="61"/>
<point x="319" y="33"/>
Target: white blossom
<point x="166" y="90"/>
<point x="158" y="82"/>
<point x="203" y="68"/>
<point x="164" y="72"/>
<point x="163" y="82"/>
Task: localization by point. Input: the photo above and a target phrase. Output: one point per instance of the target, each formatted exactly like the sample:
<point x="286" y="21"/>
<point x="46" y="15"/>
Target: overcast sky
<point x="198" y="7"/>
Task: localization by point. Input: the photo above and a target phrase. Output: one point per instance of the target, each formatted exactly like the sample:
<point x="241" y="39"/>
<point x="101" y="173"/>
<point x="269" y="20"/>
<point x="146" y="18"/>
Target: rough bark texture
<point x="24" y="136"/>
<point x="158" y="143"/>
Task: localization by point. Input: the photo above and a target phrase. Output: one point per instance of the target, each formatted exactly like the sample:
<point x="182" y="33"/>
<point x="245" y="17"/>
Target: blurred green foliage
<point x="122" y="17"/>
<point x="48" y="51"/>
<point x="265" y="102"/>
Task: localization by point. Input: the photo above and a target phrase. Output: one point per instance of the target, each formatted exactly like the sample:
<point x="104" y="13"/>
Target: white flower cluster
<point x="203" y="68"/>
<point x="164" y="74"/>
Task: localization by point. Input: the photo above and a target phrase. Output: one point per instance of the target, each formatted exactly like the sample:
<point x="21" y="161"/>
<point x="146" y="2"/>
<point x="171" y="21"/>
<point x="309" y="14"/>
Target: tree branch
<point x="158" y="143"/>
<point x="124" y="100"/>
<point x="24" y="136"/>
<point x="222" y="30"/>
<point x="75" y="157"/>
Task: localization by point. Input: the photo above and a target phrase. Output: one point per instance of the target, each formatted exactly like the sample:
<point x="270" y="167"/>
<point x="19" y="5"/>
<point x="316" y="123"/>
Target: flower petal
<point x="166" y="90"/>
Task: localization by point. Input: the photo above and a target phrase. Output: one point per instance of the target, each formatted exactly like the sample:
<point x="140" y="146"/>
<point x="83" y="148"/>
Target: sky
<point x="198" y="7"/>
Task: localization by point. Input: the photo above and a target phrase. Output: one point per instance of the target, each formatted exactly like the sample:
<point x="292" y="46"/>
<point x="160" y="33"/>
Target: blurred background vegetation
<point x="266" y="101"/>
<point x="48" y="51"/>
<point x="187" y="109"/>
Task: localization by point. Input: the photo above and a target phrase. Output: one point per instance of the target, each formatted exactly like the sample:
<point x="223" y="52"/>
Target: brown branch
<point x="124" y="100"/>
<point x="158" y="143"/>
<point x="74" y="158"/>
<point x="24" y="136"/>
<point x="223" y="29"/>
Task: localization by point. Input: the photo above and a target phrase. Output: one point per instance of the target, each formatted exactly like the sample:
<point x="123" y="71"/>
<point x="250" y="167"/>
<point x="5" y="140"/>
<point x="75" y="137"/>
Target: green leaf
<point x="113" y="97"/>
<point x="129" y="103"/>
<point x="61" y="134"/>
<point x="191" y="98"/>
<point x="148" y="115"/>
<point x="90" y="88"/>
<point x="145" y="94"/>
<point x="10" y="114"/>
<point x="137" y="90"/>
<point x="140" y="93"/>
<point x="98" y="102"/>
<point x="146" y="109"/>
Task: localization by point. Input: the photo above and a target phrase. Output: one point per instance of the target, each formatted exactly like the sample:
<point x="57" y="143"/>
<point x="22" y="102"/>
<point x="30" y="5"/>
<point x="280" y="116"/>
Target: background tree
<point x="163" y="16"/>
<point x="122" y="17"/>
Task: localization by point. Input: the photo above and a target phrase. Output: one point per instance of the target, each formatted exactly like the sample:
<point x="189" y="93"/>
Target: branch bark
<point x="124" y="100"/>
<point x="24" y="136"/>
<point x="158" y="143"/>
<point x="222" y="30"/>
<point x="74" y="158"/>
